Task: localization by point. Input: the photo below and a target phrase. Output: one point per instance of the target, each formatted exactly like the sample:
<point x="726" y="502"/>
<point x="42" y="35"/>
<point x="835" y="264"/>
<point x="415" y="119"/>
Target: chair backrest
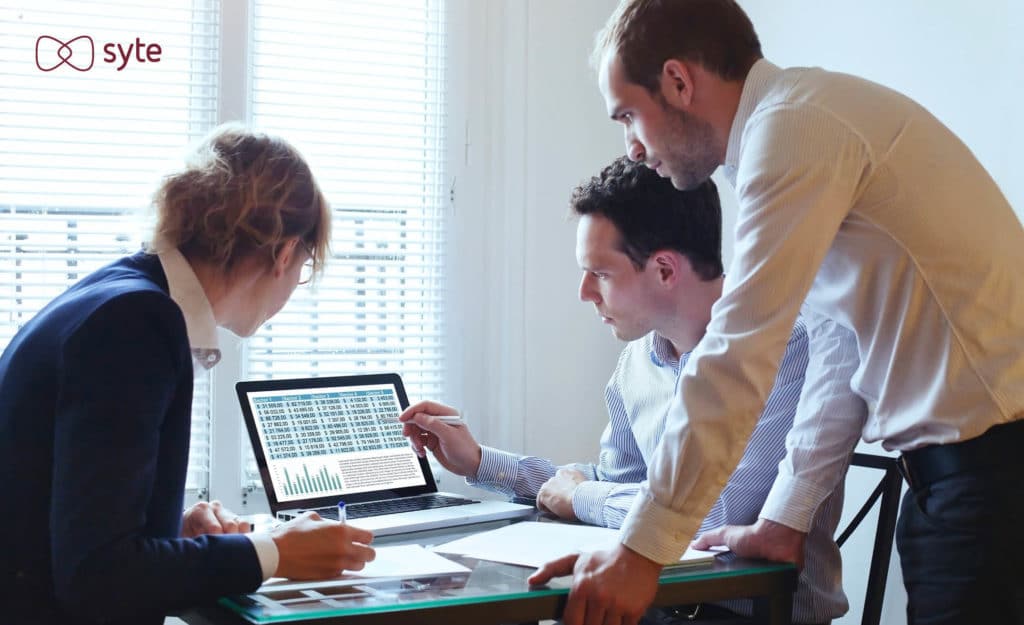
<point x="888" y="490"/>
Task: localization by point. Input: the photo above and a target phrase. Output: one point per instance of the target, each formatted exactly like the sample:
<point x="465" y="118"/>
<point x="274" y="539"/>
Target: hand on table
<point x="555" y="496"/>
<point x="764" y="539"/>
<point x="613" y="586"/>
<point x="211" y="518"/>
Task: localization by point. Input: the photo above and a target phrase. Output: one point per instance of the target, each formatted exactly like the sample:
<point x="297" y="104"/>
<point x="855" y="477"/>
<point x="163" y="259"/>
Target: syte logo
<point x="79" y="53"/>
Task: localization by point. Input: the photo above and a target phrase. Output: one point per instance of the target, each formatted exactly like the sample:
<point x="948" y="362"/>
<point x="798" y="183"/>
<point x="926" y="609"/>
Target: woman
<point x="96" y="399"/>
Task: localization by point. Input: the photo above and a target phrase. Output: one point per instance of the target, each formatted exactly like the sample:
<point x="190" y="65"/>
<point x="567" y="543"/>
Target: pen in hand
<point x="342" y="515"/>
<point x="450" y="419"/>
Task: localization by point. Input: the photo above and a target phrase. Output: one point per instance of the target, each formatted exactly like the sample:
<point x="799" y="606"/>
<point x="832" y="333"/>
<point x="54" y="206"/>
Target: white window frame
<point x="228" y="433"/>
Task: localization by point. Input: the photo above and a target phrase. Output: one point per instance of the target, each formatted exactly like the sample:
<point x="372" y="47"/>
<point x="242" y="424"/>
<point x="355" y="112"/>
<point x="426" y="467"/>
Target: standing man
<point x="856" y="200"/>
<point x="652" y="268"/>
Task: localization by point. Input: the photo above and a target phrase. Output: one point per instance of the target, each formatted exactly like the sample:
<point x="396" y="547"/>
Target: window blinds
<point x="359" y="88"/>
<point x="83" y="144"/>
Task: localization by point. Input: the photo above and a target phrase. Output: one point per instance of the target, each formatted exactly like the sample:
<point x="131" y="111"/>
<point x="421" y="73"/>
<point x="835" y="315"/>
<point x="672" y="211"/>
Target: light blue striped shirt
<point x="638" y="397"/>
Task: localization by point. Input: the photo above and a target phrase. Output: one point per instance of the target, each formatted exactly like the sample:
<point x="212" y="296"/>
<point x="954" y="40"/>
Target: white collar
<point x="188" y="294"/>
<point x="761" y="74"/>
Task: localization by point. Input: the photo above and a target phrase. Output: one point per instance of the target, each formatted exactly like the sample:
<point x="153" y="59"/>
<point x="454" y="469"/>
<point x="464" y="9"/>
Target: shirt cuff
<point x="793" y="502"/>
<point x="497" y="470"/>
<point x="658" y="533"/>
<point x="588" y="501"/>
<point x="266" y="551"/>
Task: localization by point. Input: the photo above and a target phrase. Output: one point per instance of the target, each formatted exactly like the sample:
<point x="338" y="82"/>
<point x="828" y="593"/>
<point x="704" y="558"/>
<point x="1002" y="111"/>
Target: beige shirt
<point x="188" y="294"/>
<point x="911" y="261"/>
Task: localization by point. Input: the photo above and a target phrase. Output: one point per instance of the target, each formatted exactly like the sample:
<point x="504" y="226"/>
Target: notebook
<point x="318" y="441"/>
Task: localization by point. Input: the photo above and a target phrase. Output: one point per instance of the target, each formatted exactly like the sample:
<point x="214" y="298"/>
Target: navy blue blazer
<point x="95" y="413"/>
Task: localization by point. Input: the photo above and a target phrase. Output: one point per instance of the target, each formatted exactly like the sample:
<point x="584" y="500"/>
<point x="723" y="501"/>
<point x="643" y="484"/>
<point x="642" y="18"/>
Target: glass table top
<point x="486" y="582"/>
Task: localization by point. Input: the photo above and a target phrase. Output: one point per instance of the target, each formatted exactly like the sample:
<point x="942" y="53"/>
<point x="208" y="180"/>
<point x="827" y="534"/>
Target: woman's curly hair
<point x="242" y="194"/>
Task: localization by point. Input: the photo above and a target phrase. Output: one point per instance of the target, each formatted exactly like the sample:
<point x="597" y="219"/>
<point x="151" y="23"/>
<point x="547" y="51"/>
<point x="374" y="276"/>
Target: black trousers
<point x="961" y="531"/>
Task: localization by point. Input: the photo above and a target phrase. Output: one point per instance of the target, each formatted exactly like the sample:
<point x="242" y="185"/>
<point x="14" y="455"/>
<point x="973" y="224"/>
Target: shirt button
<point x="501" y="475"/>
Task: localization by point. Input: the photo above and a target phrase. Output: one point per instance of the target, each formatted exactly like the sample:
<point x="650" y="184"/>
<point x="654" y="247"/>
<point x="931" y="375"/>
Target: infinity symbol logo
<point x="51" y="53"/>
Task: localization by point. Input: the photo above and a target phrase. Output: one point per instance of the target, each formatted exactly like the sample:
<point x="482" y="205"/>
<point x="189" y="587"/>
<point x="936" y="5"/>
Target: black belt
<point x="700" y="612"/>
<point x="996" y="447"/>
<point x="697" y="612"/>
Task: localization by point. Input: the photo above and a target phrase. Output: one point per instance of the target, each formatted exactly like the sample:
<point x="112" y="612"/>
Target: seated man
<point x="651" y="261"/>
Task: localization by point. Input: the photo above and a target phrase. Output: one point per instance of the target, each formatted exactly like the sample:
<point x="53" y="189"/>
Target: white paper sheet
<point x="392" y="562"/>
<point x="533" y="543"/>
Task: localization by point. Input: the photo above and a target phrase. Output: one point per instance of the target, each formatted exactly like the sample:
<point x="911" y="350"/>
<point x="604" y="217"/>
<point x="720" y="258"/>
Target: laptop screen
<point x="332" y="441"/>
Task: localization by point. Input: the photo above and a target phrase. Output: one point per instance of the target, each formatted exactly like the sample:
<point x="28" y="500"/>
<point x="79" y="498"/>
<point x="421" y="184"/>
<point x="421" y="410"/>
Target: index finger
<point x="356" y="556"/>
<point x="411" y="429"/>
<point x="554" y="568"/>
<point x="415" y="435"/>
<point x="358" y="534"/>
<point x="710" y="538"/>
<point x="427" y="422"/>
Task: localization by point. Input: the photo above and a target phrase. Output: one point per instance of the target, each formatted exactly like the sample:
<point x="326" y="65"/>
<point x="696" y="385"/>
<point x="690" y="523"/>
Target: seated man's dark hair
<point x="650" y="214"/>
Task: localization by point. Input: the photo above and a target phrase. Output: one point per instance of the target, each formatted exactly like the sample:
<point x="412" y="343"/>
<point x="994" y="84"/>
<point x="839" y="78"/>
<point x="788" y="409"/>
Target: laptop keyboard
<point x="394" y="506"/>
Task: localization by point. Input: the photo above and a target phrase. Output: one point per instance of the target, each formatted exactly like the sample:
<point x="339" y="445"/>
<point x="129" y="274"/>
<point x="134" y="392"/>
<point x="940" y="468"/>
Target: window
<point x="82" y="151"/>
<point x="358" y="87"/>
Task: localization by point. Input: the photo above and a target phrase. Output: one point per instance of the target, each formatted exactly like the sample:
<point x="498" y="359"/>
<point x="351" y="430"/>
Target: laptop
<point x="319" y="441"/>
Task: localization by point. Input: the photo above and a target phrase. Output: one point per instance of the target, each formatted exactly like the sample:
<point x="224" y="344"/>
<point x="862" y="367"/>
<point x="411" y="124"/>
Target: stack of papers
<point x="397" y="562"/>
<point x="532" y="543"/>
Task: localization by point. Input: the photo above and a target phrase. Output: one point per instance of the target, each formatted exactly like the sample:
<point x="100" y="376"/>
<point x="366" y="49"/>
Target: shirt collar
<point x="188" y="294"/>
<point x="662" y="352"/>
<point x="754" y="87"/>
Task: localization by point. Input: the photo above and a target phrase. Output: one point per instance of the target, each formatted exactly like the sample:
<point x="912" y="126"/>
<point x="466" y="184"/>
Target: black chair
<point x="888" y="489"/>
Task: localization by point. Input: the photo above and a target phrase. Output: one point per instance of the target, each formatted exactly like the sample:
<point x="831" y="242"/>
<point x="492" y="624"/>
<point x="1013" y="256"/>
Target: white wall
<point x="536" y="358"/>
<point x="960" y="60"/>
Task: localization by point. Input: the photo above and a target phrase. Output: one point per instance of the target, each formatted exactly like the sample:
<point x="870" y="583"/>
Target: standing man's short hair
<point x="646" y="33"/>
<point x="651" y="214"/>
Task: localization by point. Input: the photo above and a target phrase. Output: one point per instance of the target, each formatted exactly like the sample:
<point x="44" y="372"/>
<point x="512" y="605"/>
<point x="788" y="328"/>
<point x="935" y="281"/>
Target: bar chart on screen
<point x="309" y="478"/>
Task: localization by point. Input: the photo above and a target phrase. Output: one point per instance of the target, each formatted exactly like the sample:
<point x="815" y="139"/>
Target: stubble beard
<point x="690" y="150"/>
